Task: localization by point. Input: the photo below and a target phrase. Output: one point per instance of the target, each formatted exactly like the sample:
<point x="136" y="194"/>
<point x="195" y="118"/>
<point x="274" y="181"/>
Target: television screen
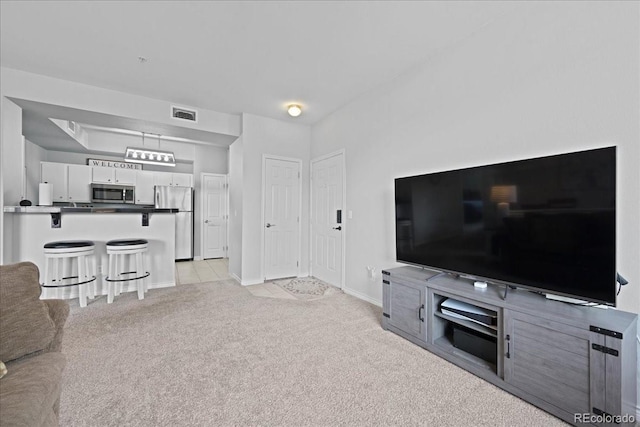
<point x="546" y="223"/>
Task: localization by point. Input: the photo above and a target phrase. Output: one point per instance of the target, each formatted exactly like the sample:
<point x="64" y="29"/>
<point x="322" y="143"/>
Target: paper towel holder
<point x="45" y="194"/>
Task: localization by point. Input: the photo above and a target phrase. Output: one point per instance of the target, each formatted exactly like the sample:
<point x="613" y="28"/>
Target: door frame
<point x="263" y="206"/>
<point x="202" y="208"/>
<point x="345" y="216"/>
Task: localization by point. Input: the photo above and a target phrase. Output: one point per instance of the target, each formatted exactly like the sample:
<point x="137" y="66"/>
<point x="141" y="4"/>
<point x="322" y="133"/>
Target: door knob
<point x="338" y="228"/>
<point x="270" y="225"/>
<point x="206" y="221"/>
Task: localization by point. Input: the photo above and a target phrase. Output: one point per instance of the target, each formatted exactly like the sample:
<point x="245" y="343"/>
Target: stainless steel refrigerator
<point x="180" y="198"/>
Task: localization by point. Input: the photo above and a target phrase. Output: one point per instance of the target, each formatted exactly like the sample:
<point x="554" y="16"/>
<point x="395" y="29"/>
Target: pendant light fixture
<point x="150" y="157"/>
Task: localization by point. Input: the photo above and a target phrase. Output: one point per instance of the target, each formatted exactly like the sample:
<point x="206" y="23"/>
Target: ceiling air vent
<point x="184" y="114"/>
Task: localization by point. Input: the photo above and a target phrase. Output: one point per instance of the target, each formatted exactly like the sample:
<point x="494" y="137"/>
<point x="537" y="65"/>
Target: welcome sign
<point x="112" y="164"/>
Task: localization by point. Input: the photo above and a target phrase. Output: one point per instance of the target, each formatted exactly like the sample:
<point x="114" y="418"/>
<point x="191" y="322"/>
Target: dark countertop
<point x="89" y="209"/>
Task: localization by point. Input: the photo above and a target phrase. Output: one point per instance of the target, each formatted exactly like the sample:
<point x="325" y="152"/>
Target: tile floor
<point x="270" y="290"/>
<point x="210" y="270"/>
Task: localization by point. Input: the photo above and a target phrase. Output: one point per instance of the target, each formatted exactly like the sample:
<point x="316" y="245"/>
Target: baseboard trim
<point x="250" y="282"/>
<point x="162" y="285"/>
<point x="197" y="258"/>
<point x="361" y="296"/>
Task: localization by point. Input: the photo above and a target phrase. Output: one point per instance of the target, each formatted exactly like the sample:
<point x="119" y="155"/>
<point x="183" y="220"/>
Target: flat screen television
<point x="546" y="224"/>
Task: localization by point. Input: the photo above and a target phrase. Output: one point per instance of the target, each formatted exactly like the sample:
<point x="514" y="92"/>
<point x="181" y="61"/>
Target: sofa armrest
<point x="58" y="311"/>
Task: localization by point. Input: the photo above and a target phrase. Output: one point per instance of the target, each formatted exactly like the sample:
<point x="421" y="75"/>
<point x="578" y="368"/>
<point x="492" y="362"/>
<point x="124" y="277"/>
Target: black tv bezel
<point x="575" y="297"/>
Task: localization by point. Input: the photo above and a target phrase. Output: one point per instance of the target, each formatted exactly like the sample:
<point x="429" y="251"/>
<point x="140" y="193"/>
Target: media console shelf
<point x="484" y="337"/>
<point x="565" y="359"/>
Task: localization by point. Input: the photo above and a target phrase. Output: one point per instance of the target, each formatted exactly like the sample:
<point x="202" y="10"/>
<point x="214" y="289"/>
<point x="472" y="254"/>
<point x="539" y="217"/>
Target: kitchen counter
<point x="85" y="209"/>
<point x="33" y="226"/>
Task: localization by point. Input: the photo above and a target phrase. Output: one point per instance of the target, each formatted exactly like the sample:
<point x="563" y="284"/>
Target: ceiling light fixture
<point x="149" y="156"/>
<point x="294" y="110"/>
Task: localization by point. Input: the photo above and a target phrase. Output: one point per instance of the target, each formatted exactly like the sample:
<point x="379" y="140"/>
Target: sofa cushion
<point x="25" y="325"/>
<point x="30" y="390"/>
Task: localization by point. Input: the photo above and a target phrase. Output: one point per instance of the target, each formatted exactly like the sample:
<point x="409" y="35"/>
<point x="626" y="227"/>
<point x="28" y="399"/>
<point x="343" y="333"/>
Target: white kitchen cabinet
<point x="146" y="180"/>
<point x="71" y="183"/>
<point x="103" y="175"/>
<point x="162" y="178"/>
<point x="173" y="179"/>
<point x="113" y="176"/>
<point x="126" y="176"/>
<point x="183" y="179"/>
<point x="56" y="175"/>
<point x="144" y="187"/>
<point x="79" y="183"/>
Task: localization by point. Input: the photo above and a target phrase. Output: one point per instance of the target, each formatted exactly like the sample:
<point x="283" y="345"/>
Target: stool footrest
<point x="63" y="285"/>
<point x="146" y="274"/>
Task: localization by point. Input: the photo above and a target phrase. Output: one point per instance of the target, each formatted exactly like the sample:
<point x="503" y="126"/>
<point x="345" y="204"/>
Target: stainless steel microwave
<point x="107" y="193"/>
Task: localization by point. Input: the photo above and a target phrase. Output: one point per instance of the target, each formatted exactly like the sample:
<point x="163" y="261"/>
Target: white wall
<point x="236" y="171"/>
<point x="79" y="136"/>
<point x="260" y="136"/>
<point x="12" y="155"/>
<point x="558" y="77"/>
<point x="209" y="159"/>
<point x="34" y="155"/>
<point x="12" y="167"/>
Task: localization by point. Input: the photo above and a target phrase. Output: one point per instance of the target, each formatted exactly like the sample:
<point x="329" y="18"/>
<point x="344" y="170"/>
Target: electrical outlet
<point x="99" y="269"/>
<point x="372" y="272"/>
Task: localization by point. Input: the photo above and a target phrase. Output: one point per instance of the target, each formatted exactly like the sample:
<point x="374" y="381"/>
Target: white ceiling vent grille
<point x="184" y="114"/>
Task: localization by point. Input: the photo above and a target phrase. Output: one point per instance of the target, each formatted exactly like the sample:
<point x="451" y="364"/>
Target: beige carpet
<point x="212" y="354"/>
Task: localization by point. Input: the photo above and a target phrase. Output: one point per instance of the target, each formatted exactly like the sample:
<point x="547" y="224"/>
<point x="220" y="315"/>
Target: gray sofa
<point x="30" y="346"/>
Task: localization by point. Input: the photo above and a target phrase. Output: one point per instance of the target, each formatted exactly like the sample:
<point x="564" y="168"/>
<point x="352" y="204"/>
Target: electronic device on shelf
<point x="547" y="224"/>
<point x="464" y="311"/>
<point x="475" y="343"/>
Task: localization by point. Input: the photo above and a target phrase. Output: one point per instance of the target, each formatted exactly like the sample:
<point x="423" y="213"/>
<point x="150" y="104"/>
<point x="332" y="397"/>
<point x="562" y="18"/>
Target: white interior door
<point x="281" y="217"/>
<point x="327" y="218"/>
<point x="214" y="216"/>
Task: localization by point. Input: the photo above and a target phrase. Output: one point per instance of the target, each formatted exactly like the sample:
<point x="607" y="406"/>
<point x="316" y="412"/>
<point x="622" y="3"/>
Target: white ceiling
<point x="236" y="56"/>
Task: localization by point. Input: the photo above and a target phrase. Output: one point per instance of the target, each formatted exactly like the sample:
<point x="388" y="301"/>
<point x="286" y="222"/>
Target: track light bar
<point x="150" y="157"/>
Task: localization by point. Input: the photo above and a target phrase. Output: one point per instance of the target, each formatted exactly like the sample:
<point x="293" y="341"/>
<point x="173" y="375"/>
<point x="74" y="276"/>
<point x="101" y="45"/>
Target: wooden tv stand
<point x="565" y="359"/>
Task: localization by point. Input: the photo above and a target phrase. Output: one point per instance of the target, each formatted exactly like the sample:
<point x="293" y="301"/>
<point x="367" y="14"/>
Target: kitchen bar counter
<point x="85" y="209"/>
<point x="33" y="226"/>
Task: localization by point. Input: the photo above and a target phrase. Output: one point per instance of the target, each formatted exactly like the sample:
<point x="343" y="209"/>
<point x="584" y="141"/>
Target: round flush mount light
<point x="294" y="110"/>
